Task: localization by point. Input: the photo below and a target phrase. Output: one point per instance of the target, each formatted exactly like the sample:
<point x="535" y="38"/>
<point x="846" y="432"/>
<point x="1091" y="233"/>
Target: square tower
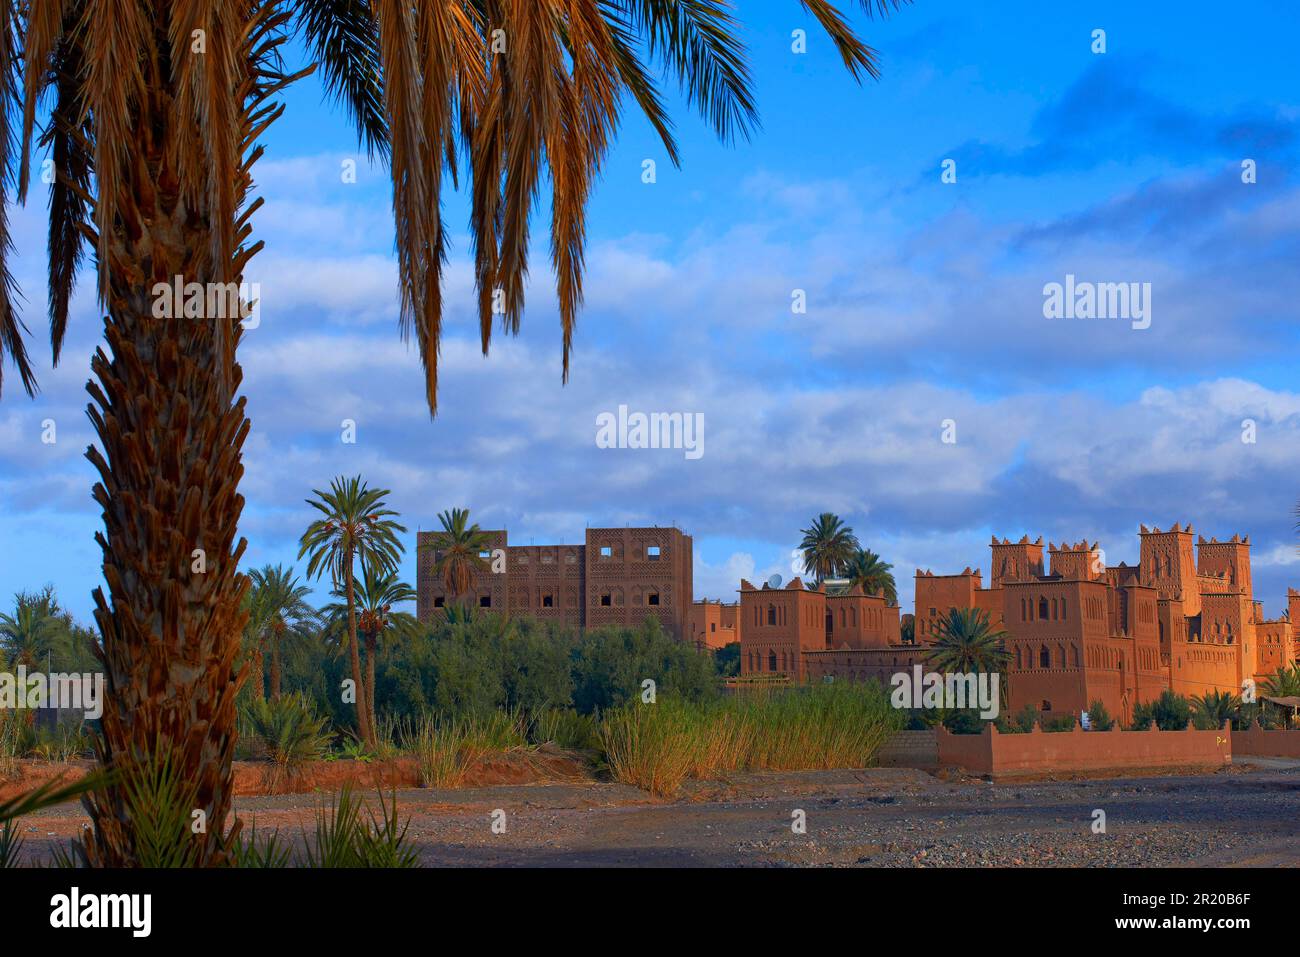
<point x="1228" y="561"/>
<point x="1169" y="566"/>
<point x="1015" y="561"/>
<point x="1079" y="562"/>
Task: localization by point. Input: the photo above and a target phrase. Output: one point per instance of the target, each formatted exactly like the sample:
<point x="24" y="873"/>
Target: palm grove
<point x="151" y="113"/>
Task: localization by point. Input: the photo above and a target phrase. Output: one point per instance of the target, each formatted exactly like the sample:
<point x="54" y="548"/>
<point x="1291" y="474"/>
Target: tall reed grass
<point x="447" y="748"/>
<point x="658" y="746"/>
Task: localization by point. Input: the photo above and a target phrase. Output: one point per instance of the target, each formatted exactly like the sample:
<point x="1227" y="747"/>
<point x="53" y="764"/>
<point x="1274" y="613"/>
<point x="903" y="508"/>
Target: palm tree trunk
<point x="275" y="672"/>
<point x="363" y="713"/>
<point x="371" y="651"/>
<point x="171" y="435"/>
<point x="258" y="690"/>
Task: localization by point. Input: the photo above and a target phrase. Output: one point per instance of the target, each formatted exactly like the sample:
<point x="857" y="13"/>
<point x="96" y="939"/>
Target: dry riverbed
<point x="884" y="817"/>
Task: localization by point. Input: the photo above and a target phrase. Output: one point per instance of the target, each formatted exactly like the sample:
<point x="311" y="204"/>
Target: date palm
<point x="1213" y="708"/>
<point x="152" y="112"/>
<point x="828" y="546"/>
<point x="457" y="552"/>
<point x="875" y="576"/>
<point x="34" y="631"/>
<point x="355" y="527"/>
<point x="286" y="614"/>
<point x="376" y="595"/>
<point x="968" y="643"/>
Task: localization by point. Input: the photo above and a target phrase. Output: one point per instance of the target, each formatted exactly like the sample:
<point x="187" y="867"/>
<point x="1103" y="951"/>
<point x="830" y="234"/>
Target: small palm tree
<point x="1210" y="710"/>
<point x="34" y="630"/>
<point x="828" y="546"/>
<point x="355" y="527"/>
<point x="285" y="615"/>
<point x="968" y="643"/>
<point x="873" y="575"/>
<point x="379" y="591"/>
<point x="457" y="552"/>
<point x="1283" y="683"/>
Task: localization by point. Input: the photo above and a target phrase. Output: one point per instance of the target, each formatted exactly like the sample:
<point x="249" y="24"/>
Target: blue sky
<point x="924" y="304"/>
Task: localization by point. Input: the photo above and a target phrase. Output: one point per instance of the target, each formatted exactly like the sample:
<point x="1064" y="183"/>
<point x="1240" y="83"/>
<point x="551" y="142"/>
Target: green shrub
<point x="344" y="839"/>
<point x="1099" y="718"/>
<point x="1170" y="712"/>
<point x="286" y="730"/>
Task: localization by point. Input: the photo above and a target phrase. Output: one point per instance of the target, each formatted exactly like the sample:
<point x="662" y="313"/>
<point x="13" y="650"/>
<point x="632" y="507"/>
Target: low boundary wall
<point x="1078" y="750"/>
<point x="1260" y="743"/>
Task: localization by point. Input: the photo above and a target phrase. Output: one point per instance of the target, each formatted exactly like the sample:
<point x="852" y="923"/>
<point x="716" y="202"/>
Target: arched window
<point x="1042" y="608"/>
<point x="771" y="614"/>
<point x="771" y="661"/>
<point x="1044" y="657"/>
<point x="1063" y="615"/>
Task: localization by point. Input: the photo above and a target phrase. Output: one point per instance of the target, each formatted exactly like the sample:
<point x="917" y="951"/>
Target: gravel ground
<point x="886" y="817"/>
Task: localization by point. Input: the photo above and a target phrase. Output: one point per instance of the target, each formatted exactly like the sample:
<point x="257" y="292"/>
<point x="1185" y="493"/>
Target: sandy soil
<point x="886" y="817"/>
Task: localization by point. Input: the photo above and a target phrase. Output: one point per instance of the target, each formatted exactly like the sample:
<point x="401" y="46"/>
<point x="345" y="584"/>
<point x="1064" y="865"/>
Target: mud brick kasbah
<point x="619" y="576"/>
<point x="1078" y="630"/>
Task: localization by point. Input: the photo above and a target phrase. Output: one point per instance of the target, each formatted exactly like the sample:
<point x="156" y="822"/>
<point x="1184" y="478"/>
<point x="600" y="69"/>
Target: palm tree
<point x="968" y="643"/>
<point x="1283" y="683"/>
<point x="282" y="602"/>
<point x="1213" y="708"/>
<point x="457" y="552"/>
<point x="34" y="630"/>
<point x="874" y="576"/>
<point x="152" y="112"/>
<point x="355" y="528"/>
<point x="828" y="546"/>
<point x="379" y="591"/>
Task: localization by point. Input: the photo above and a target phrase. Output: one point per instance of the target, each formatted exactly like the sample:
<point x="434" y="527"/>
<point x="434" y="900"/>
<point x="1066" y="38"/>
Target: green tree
<point x="967" y="642"/>
<point x="1212" y="709"/>
<point x="355" y="526"/>
<point x="875" y="576"/>
<point x="611" y="663"/>
<point x="284" y="614"/>
<point x="1170" y="712"/>
<point x="726" y="660"/>
<point x="34" y="631"/>
<point x="1099" y="718"/>
<point x="458" y="552"/>
<point x="828" y="546"/>
<point x="376" y="620"/>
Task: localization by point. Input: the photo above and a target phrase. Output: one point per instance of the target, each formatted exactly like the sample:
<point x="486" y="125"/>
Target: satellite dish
<point x="774" y="581"/>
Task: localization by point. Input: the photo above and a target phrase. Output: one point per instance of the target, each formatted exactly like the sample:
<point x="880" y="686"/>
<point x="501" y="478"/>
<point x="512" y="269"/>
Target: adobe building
<point x="1077" y="630"/>
<point x="619" y="576"/>
<point x="803" y="632"/>
<point x="714" y="625"/>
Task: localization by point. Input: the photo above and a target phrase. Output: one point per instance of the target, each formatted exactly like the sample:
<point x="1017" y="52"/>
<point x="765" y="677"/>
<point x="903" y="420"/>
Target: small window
<point x="548" y="559"/>
<point x="570" y="559"/>
<point x="652" y="598"/>
<point x="485" y="601"/>
<point x="606" y="600"/>
<point x="548" y="601"/>
<point x="522" y="560"/>
<point x="652" y="552"/>
<point x="713" y="626"/>
<point x="439" y="602"/>
<point x="485" y="554"/>
<point x="933" y="612"/>
<point x="606" y="551"/>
